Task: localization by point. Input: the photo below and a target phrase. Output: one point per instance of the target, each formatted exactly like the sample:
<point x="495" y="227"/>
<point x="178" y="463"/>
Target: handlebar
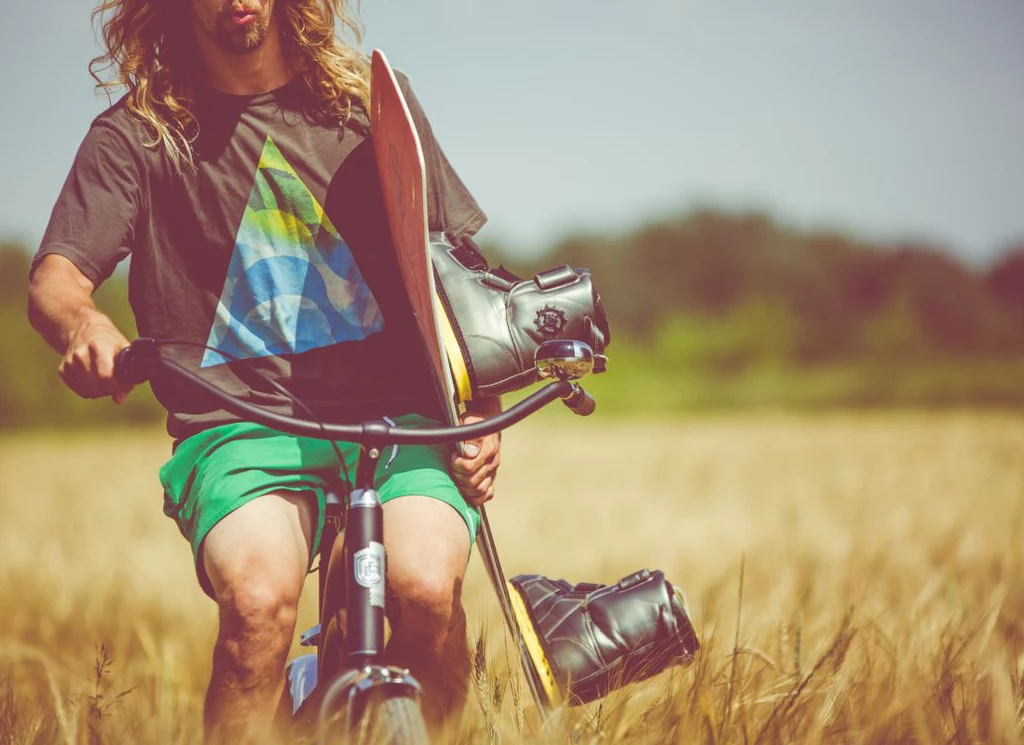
<point x="580" y="402"/>
<point x="142" y="360"/>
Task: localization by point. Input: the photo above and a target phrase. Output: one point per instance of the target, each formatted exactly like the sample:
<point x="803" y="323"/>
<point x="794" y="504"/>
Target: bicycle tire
<point x="388" y="718"/>
<point x="391" y="719"/>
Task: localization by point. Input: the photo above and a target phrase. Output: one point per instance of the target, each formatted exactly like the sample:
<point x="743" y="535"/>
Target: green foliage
<point x="754" y="332"/>
<point x="894" y="331"/>
<point x="31" y="392"/>
<point x="632" y="384"/>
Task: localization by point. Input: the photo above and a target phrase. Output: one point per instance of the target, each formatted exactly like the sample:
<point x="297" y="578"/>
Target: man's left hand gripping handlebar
<point x="475" y="471"/>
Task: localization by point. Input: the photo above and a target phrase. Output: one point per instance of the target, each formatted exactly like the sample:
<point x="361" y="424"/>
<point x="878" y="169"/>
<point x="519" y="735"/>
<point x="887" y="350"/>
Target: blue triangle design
<point x="292" y="284"/>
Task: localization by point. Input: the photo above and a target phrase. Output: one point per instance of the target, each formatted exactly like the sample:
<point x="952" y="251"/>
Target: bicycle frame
<point x="354" y="672"/>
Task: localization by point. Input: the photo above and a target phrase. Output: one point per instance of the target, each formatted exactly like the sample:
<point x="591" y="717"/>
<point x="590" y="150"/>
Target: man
<point x="237" y="174"/>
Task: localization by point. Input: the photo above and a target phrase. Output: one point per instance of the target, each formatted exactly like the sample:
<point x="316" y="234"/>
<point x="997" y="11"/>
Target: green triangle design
<point x="292" y="283"/>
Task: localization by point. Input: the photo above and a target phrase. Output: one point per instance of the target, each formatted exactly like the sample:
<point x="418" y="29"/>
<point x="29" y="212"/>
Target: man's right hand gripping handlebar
<point x="88" y="367"/>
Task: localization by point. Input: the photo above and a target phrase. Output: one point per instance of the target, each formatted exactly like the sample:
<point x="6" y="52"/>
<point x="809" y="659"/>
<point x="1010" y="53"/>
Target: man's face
<point x="236" y="26"/>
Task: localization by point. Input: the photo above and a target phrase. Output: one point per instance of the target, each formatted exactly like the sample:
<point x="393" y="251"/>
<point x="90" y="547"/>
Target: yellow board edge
<point x="460" y="373"/>
<point x="534" y="647"/>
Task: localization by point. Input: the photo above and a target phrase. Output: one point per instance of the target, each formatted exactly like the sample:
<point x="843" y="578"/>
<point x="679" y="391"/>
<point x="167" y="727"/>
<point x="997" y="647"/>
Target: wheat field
<point x="853" y="578"/>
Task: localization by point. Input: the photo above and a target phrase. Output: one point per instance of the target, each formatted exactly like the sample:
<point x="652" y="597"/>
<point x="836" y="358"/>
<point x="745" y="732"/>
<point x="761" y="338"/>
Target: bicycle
<point x="359" y="697"/>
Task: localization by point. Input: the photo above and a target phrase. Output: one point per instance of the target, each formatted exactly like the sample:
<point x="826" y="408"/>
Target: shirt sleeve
<point x="92" y="223"/>
<point x="450" y="206"/>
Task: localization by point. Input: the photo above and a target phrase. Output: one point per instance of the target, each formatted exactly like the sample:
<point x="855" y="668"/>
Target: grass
<point x="641" y="383"/>
<point x="854" y="578"/>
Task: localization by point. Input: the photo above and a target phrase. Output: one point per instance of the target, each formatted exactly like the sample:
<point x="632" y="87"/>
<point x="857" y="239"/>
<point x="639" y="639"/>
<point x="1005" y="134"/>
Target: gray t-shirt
<point x="273" y="253"/>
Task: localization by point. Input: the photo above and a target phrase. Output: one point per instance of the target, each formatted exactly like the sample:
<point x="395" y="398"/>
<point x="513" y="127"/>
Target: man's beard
<point x="243" y="40"/>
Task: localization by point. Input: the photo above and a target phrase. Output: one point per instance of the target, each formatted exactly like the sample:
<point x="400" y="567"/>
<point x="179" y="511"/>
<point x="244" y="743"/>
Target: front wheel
<point x="390" y="718"/>
<point x="373" y="706"/>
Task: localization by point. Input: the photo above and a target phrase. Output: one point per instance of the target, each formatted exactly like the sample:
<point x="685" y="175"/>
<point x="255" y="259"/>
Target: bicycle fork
<point x="365" y="570"/>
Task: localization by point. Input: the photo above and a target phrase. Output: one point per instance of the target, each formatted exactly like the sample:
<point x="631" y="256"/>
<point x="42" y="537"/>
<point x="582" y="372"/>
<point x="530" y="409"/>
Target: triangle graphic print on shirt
<point x="292" y="283"/>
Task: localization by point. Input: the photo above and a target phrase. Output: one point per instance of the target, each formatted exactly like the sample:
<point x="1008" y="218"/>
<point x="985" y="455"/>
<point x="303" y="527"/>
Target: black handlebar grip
<point x="122" y="361"/>
<point x="136" y="363"/>
<point x="580" y="402"/>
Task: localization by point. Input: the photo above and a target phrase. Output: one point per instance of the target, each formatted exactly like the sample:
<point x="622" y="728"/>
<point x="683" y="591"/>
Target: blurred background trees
<point x="709" y="309"/>
<point x="31" y="393"/>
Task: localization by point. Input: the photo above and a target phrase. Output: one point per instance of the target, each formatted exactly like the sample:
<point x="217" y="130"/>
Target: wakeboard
<point x="402" y="172"/>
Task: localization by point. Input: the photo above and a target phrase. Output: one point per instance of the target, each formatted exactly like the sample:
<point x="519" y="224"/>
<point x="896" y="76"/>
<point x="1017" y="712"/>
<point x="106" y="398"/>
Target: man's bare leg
<point x="256" y="559"/>
<point x="428" y="550"/>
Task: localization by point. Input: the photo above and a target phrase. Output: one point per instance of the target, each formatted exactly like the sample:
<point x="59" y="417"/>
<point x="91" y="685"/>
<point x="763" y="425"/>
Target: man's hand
<point x="60" y="308"/>
<point x="88" y="364"/>
<point x="475" y="472"/>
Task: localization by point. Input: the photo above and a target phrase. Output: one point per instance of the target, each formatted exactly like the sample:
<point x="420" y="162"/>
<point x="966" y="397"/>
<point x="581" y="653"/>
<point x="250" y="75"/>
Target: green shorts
<point x="217" y="471"/>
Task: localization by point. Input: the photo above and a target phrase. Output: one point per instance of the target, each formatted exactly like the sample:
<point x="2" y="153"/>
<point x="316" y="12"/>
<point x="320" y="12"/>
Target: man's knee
<point x="255" y="560"/>
<point x="258" y="606"/>
<point x="428" y="549"/>
<point x="257" y="620"/>
<point x="429" y="605"/>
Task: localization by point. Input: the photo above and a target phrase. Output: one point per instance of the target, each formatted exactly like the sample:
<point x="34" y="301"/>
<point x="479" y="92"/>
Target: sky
<point x="890" y="119"/>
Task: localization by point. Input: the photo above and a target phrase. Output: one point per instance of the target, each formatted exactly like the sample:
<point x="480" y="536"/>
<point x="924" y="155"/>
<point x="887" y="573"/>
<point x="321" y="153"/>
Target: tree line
<point x="828" y="297"/>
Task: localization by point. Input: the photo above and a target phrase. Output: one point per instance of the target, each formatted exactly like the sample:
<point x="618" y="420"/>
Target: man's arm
<point x="61" y="309"/>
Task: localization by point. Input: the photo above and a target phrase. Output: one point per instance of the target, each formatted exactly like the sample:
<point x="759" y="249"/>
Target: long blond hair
<point x="149" y="50"/>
